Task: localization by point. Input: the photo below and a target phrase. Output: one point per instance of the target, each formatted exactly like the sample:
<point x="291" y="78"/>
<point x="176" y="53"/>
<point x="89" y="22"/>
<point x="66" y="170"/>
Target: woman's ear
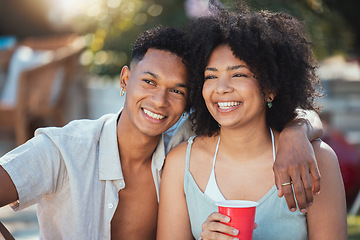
<point x="124" y="77"/>
<point x="270" y="96"/>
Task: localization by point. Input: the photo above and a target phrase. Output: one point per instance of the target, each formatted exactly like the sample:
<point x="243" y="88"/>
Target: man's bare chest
<point x="136" y="214"/>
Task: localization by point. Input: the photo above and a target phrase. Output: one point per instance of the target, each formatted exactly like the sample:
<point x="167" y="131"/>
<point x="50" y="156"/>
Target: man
<point x="99" y="179"/>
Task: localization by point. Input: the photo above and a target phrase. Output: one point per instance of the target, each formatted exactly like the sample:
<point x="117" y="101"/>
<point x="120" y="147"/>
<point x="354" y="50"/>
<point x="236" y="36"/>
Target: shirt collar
<point x="159" y="154"/>
<point x="109" y="159"/>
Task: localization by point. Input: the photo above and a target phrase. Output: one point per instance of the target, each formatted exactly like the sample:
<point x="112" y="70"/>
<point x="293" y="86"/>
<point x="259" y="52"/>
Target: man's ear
<point x="124" y="77"/>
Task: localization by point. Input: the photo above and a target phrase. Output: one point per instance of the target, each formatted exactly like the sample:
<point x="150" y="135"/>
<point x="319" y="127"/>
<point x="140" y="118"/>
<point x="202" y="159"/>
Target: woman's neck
<point x="246" y="143"/>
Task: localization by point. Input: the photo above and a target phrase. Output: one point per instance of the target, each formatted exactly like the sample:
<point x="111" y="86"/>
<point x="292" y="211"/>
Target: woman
<point x="258" y="69"/>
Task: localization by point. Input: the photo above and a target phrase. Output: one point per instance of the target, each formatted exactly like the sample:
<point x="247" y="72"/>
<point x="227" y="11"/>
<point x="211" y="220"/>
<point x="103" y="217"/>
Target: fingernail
<point x="310" y="204"/>
<point x="292" y="209"/>
<point x="236" y="232"/>
<point x="303" y="210"/>
<point x="227" y="219"/>
<point x="317" y="193"/>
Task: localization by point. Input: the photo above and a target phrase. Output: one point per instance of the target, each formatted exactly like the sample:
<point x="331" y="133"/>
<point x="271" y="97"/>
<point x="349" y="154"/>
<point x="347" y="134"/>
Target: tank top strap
<point x="188" y="150"/>
<point x="216" y="151"/>
<point x="212" y="189"/>
<point x="273" y="144"/>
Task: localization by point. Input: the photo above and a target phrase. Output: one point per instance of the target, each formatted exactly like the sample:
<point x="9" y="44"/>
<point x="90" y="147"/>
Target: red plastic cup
<point x="242" y="216"/>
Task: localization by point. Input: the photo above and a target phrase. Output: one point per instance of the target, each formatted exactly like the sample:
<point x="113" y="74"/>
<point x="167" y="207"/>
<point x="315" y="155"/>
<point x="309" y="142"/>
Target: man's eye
<point x="148" y="81"/>
<point x="178" y="91"/>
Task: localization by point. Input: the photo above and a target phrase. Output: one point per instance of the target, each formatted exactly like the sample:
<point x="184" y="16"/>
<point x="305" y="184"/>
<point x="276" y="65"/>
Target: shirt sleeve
<point x="36" y="169"/>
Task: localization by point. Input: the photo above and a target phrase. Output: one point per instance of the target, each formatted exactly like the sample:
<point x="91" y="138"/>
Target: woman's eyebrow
<point x="228" y="68"/>
<point x="236" y="67"/>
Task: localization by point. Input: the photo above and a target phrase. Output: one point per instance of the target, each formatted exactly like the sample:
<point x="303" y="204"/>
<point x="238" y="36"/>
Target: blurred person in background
<point x="349" y="158"/>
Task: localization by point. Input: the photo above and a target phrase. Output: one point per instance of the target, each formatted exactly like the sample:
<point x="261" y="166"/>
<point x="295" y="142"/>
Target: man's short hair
<point x="163" y="38"/>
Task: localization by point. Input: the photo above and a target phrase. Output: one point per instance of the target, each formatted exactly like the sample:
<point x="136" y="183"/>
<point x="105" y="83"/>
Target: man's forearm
<point x="295" y="160"/>
<point x="309" y="121"/>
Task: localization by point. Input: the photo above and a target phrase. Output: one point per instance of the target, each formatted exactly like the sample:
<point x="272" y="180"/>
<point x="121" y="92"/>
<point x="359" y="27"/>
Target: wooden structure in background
<point x="35" y="100"/>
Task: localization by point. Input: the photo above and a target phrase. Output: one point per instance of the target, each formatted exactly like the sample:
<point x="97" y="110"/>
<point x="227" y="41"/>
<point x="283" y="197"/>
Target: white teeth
<point x="153" y="115"/>
<point x="227" y="105"/>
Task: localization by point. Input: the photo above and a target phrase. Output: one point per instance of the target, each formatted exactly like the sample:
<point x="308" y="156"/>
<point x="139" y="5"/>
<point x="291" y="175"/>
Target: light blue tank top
<point x="212" y="190"/>
<point x="274" y="219"/>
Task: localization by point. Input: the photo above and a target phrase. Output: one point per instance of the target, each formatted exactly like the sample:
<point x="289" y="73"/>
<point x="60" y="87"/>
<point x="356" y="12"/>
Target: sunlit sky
<point x="61" y="12"/>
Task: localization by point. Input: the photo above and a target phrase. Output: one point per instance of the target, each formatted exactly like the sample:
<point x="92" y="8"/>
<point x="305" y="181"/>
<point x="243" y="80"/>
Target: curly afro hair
<point x="274" y="46"/>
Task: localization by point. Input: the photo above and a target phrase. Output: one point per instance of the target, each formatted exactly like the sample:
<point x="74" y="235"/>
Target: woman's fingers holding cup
<point x="205" y="235"/>
<point x="217" y="217"/>
<point x="215" y="224"/>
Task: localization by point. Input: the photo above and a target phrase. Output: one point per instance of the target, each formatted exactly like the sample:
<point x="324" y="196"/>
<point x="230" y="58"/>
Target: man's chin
<point x="151" y="132"/>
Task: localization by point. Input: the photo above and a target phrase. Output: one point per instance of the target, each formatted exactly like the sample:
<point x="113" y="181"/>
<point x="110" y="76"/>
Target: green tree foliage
<point x="118" y="23"/>
<point x="326" y="26"/>
<point x="349" y="11"/>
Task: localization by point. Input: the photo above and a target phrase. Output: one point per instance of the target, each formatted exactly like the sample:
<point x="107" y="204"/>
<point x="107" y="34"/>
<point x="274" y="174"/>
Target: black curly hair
<point x="274" y="46"/>
<point x="165" y="38"/>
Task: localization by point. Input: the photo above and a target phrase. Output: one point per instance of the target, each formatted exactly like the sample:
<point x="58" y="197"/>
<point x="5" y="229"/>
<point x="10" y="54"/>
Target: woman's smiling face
<point x="232" y="94"/>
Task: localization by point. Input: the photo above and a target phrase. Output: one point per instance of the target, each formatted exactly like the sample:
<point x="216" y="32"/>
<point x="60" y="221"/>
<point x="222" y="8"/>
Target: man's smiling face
<point x="156" y="91"/>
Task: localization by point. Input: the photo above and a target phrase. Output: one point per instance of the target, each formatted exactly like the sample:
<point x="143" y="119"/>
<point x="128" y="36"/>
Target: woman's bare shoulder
<point x="330" y="200"/>
<point x="325" y="155"/>
<point x="176" y="156"/>
<point x="200" y="146"/>
<point x="328" y="165"/>
<point x="178" y="150"/>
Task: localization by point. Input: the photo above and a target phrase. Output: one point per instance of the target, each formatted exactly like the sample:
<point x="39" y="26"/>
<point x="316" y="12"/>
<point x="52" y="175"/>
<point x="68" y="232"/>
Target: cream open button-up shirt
<point x="74" y="175"/>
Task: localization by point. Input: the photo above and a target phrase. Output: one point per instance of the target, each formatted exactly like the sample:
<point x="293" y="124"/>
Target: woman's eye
<point x="209" y="77"/>
<point x="240" y="75"/>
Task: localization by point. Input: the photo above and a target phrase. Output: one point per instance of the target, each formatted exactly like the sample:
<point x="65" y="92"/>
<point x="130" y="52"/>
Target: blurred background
<point x="60" y="60"/>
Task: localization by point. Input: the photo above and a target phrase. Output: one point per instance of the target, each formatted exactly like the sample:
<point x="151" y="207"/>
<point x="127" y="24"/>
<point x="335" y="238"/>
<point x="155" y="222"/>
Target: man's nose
<point x="160" y="98"/>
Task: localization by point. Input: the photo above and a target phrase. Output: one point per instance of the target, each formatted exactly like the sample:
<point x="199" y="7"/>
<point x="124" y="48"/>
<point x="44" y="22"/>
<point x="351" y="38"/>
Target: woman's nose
<point x="223" y="85"/>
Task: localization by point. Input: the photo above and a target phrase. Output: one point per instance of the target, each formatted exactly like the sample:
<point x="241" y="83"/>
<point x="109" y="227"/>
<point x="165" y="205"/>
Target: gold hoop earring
<point x="122" y="92"/>
<point x="185" y="115"/>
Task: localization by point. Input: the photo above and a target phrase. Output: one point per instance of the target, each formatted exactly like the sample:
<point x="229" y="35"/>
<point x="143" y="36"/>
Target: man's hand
<point x="296" y="164"/>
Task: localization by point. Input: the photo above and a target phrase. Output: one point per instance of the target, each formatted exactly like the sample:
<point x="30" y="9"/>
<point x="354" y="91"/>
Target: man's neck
<point x="134" y="146"/>
<point x="135" y="150"/>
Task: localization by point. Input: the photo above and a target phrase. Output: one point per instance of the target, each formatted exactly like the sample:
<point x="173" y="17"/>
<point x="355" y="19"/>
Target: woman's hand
<point x="215" y="228"/>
